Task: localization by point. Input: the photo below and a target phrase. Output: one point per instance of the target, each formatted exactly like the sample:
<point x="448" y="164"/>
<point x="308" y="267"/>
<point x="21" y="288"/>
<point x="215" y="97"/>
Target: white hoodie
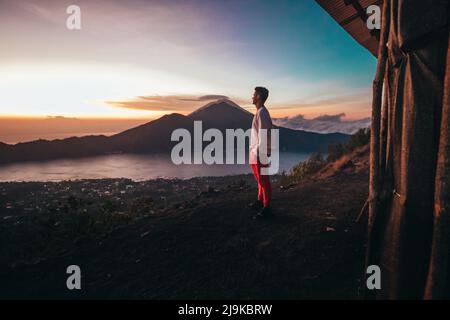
<point x="261" y="120"/>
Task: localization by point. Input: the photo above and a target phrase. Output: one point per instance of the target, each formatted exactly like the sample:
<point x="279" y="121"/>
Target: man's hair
<point x="263" y="93"/>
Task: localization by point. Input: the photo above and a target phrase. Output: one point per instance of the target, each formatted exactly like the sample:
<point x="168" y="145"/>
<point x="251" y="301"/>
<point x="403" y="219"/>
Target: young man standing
<point x="260" y="134"/>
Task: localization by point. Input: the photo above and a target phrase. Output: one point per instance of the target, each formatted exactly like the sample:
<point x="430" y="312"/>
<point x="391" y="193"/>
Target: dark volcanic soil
<point x="207" y="247"/>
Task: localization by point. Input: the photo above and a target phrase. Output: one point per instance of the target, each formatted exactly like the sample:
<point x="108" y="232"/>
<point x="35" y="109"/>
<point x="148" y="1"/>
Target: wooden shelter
<point x="409" y="195"/>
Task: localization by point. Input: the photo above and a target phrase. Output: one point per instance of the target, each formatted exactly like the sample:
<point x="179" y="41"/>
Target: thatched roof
<point x="351" y="15"/>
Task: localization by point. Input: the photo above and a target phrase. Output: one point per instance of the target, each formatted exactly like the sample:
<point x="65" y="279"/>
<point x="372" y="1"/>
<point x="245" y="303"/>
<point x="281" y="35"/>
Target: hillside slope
<point x="208" y="246"/>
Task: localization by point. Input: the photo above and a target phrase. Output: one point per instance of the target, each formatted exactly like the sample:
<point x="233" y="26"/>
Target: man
<point x="260" y="150"/>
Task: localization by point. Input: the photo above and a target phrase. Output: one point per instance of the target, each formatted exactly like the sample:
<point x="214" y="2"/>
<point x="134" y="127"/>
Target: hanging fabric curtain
<point x="409" y="223"/>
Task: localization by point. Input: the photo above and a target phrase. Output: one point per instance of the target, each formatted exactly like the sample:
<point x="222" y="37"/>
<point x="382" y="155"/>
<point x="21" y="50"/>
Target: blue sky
<point x="298" y="38"/>
<point x="162" y="50"/>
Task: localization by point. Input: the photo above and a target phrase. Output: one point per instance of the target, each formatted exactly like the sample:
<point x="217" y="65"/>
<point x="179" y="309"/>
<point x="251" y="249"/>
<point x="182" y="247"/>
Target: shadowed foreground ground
<point x="207" y="247"/>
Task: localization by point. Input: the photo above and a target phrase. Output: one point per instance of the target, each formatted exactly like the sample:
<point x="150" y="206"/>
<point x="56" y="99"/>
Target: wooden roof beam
<point x="361" y="13"/>
<point x="359" y="9"/>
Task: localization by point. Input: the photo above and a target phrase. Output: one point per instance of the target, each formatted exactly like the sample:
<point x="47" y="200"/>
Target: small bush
<point x="358" y="139"/>
<point x="335" y="151"/>
<point x="308" y="167"/>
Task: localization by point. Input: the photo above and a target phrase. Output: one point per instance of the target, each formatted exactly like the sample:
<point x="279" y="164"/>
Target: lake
<point x="135" y="167"/>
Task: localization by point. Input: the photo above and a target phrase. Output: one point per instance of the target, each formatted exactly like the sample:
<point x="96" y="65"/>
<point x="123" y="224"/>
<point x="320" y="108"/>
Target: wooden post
<point x="383" y="130"/>
<point x="375" y="179"/>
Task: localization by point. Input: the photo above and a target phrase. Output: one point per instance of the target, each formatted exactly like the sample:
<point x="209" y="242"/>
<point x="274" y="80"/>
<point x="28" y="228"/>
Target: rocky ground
<point x="193" y="239"/>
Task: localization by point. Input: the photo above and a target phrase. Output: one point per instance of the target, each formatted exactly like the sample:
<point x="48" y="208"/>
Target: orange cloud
<point x="170" y="103"/>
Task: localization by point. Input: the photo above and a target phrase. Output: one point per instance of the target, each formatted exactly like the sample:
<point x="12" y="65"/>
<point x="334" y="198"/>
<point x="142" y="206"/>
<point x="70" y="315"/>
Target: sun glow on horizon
<point x="82" y="89"/>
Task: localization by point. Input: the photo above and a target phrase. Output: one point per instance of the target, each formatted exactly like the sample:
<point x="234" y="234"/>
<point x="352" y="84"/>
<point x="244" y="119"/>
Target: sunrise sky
<point x="140" y="59"/>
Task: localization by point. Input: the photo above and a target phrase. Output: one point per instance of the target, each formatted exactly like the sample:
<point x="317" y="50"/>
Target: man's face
<point x="255" y="98"/>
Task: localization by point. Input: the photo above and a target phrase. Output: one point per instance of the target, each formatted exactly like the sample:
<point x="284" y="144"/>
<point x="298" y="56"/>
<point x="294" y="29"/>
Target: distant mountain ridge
<point x="323" y="124"/>
<point x="155" y="137"/>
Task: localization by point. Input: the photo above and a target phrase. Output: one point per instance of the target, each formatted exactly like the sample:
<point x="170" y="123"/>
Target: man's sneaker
<point x="256" y="205"/>
<point x="263" y="213"/>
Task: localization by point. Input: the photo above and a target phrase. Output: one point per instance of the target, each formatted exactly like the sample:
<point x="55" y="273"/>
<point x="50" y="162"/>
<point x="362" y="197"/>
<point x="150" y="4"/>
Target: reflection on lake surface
<point x="135" y="167"/>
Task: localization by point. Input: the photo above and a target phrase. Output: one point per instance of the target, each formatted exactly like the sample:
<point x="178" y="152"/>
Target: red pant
<point x="264" y="187"/>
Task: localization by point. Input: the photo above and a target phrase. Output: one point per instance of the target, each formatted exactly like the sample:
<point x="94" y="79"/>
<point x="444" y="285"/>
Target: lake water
<point x="135" y="167"/>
